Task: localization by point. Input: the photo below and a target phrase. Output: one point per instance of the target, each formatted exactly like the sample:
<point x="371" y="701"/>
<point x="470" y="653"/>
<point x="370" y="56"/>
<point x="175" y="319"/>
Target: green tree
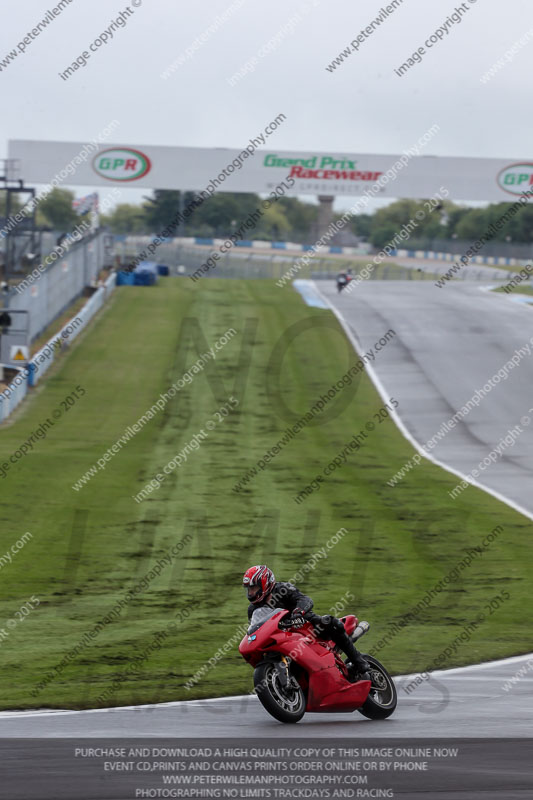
<point x="388" y="221"/>
<point x="384" y="234"/>
<point x="162" y="208"/>
<point x="520" y="227"/>
<point x="454" y="214"/>
<point x="472" y="224"/>
<point x="218" y="212"/>
<point x="361" y="225"/>
<point x="222" y="213"/>
<point x="56" y="210"/>
<point x="127" y="218"/>
<point x="273" y="225"/>
<point x="300" y="216"/>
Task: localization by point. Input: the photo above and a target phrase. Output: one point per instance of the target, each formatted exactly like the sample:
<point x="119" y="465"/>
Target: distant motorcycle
<point x="343" y="279"/>
<point x="295" y="672"/>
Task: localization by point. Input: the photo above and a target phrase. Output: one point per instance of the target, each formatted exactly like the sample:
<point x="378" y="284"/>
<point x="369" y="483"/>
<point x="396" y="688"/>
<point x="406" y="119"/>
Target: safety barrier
<point x="185" y="256"/>
<point x="43" y="359"/>
<point x="14" y="394"/>
<point x="432" y="255"/>
<point x="129" y="246"/>
<point x="295" y="247"/>
<point x="48" y="294"/>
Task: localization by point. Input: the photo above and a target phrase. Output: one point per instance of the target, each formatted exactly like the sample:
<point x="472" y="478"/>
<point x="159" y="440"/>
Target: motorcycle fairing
<point x="328" y="689"/>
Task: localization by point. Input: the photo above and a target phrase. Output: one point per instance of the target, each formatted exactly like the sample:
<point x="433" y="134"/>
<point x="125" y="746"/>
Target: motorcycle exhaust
<point x="361" y="629"/>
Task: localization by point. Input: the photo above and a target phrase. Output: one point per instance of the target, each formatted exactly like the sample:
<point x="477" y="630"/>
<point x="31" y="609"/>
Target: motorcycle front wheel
<point x="382" y="698"/>
<point x="286" y="704"/>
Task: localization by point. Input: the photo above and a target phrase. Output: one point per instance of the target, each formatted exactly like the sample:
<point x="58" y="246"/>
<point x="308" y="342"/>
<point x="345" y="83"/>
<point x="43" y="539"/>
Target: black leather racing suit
<point x="286" y="595"/>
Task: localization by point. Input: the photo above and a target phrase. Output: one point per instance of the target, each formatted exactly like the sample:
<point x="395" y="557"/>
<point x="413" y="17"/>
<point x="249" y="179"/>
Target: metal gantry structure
<point x="19" y="238"/>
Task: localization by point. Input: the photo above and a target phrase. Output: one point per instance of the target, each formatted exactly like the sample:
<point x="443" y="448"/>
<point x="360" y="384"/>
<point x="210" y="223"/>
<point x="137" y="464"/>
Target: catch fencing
<point x="47" y="296"/>
<point x="184" y="258"/>
<point x="254" y="265"/>
<point x="44" y="358"/>
<point x="509" y="253"/>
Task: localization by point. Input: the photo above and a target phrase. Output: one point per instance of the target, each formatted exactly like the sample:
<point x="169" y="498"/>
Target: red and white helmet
<point x="258" y="582"/>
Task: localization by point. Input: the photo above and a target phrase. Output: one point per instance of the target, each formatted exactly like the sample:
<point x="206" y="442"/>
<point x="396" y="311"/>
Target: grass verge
<point x="519" y="290"/>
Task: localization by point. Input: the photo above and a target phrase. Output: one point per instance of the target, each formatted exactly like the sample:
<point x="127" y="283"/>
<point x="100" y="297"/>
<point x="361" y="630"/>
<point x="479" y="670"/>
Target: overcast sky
<point x="362" y="106"/>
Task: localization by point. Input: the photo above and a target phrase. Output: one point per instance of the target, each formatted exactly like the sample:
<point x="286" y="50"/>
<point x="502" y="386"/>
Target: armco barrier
<point x="43" y="359"/>
<point x="14" y="394"/>
<point x="128" y="247"/>
<point x="432" y="255"/>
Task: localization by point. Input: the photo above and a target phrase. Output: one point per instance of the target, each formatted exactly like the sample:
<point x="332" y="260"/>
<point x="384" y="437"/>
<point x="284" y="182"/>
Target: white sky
<point x="361" y="107"/>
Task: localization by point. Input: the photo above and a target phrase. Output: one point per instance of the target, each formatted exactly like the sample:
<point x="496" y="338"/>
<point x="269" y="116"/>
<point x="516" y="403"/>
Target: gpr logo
<point x="517" y="178"/>
<point x="121" y="164"/>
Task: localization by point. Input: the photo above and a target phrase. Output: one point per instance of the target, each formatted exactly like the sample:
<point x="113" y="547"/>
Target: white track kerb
<point x="397" y="419"/>
<point x="45" y="712"/>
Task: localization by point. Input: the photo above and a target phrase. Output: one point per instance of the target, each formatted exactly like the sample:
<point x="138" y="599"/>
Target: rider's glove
<point x="297" y="620"/>
<point x="293" y="620"/>
<point x="298" y="617"/>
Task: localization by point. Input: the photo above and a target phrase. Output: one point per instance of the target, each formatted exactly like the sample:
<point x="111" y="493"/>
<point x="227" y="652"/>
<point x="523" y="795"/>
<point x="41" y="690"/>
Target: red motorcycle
<point x="295" y="672"/>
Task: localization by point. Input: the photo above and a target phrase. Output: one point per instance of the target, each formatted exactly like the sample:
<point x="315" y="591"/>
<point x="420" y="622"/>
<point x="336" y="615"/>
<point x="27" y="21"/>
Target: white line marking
<point x="235" y="698"/>
<point x="393" y="413"/>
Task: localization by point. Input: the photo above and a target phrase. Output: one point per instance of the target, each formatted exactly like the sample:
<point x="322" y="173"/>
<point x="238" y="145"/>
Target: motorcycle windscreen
<point x="260" y="616"/>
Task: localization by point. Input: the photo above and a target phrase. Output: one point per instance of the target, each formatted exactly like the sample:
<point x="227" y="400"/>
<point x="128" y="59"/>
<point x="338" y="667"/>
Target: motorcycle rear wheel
<point x="284" y="704"/>
<point x="382" y="698"/>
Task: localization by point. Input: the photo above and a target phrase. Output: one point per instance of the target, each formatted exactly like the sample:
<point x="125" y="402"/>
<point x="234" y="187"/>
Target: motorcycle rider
<point x="342" y="280"/>
<point x="262" y="589"/>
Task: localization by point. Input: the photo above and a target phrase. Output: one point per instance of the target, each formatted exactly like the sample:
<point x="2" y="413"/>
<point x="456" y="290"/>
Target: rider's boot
<point x="358" y="668"/>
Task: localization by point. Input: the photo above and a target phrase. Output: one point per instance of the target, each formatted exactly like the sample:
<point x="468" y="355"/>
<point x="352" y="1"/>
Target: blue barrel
<point x="31" y="373"/>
